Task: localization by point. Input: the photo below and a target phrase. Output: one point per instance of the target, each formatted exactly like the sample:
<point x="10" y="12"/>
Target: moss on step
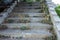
<point x="25" y="28"/>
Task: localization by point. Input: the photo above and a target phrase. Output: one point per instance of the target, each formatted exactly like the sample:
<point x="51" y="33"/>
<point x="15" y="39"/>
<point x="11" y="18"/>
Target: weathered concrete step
<point x="25" y="20"/>
<point x="18" y="8"/>
<point x="22" y="39"/>
<point x="26" y="33"/>
<point x="28" y="18"/>
<point x="33" y="25"/>
<point x="22" y="9"/>
<point x="30" y="6"/>
<point x="23" y="15"/>
<point x="27" y="27"/>
<point x="28" y="3"/>
<point x="33" y="39"/>
<point x="28" y="11"/>
<point x="34" y="3"/>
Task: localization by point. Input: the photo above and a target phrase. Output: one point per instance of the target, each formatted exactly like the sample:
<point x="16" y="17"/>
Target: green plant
<point x="57" y="9"/>
<point x="24" y="28"/>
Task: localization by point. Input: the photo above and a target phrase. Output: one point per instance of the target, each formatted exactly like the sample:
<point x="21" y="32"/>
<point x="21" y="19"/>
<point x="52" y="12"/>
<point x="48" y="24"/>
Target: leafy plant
<point x="57" y="9"/>
<point x="24" y="28"/>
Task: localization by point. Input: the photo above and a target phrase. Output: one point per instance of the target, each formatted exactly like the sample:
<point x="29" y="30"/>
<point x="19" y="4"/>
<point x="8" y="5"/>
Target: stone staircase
<point x="28" y="22"/>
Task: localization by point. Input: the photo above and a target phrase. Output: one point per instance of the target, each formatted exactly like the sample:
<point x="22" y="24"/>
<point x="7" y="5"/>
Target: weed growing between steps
<point x="25" y="28"/>
<point x="47" y="20"/>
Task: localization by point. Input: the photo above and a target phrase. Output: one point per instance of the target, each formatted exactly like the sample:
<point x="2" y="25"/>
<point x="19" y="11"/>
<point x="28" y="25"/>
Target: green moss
<point x="24" y="28"/>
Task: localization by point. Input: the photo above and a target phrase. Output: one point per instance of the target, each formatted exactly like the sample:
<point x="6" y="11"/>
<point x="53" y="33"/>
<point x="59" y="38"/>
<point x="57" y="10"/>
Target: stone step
<point x="32" y="25"/>
<point x="22" y="15"/>
<point x="22" y="39"/>
<point x="30" y="4"/>
<point x="32" y="20"/>
<point x="29" y="7"/>
<point x="24" y="20"/>
<point x="29" y="20"/>
<point x="29" y="11"/>
<point x="26" y="33"/>
<point x="34" y="3"/>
